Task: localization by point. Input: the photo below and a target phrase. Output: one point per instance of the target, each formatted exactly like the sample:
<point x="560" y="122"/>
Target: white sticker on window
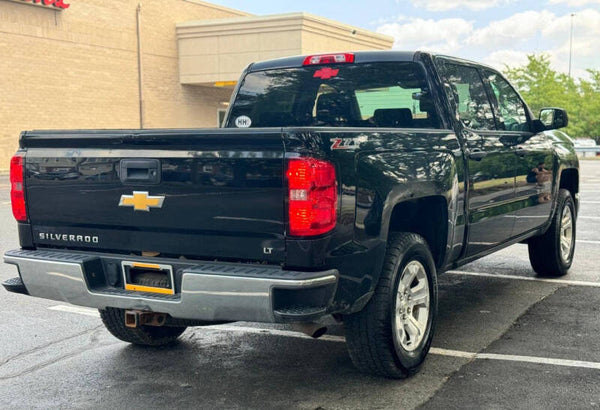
<point x="243" y="122"/>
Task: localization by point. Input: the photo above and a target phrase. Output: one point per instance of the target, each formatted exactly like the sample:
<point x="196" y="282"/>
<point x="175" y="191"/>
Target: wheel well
<point x="569" y="180"/>
<point x="427" y="217"/>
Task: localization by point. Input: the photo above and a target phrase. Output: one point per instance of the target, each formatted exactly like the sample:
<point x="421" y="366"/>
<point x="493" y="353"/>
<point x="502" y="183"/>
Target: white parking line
<point x="585" y="241"/>
<point x="341" y="339"/>
<point x="527" y="278"/>
<point x="76" y="309"/>
<point x="589" y="217"/>
<point x="590" y="202"/>
<point x="516" y="358"/>
<point x="434" y="350"/>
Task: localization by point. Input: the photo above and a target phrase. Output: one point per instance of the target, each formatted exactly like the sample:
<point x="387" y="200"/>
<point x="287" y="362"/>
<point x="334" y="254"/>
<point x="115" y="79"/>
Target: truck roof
<point x="359" y="57"/>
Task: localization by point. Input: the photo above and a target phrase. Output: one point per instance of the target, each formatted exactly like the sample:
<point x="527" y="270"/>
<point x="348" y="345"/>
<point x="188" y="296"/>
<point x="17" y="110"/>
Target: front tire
<point x="392" y="335"/>
<point x="551" y="254"/>
<point x="114" y="321"/>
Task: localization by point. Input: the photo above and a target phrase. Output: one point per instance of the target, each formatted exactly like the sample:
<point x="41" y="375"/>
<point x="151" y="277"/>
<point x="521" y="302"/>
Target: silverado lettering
<point x="68" y="237"/>
<point x="340" y="186"/>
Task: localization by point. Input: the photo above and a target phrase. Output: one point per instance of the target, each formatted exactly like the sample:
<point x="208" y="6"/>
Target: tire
<point x="114" y="321"/>
<point x="550" y="254"/>
<point x="377" y="337"/>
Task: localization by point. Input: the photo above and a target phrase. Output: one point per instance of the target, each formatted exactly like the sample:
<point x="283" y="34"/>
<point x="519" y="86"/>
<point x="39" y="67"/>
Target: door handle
<point x="477" y="154"/>
<point x="139" y="171"/>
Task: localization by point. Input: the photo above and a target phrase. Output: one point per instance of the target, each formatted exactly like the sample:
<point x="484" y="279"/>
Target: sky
<point x="496" y="32"/>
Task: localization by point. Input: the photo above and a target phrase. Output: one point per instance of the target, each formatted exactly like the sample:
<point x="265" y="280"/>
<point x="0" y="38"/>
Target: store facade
<point x="131" y="64"/>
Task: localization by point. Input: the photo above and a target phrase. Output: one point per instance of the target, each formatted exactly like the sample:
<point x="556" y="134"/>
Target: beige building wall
<point x="77" y="68"/>
<point x="218" y="50"/>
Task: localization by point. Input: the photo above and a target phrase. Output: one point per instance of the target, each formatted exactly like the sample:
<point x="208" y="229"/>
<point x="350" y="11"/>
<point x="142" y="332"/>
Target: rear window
<point x="391" y="94"/>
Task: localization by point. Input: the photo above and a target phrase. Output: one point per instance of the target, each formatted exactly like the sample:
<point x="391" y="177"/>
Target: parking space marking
<point x="586" y="241"/>
<point x="516" y="358"/>
<point x="341" y="339"/>
<point x="528" y="278"/>
<point x="434" y="350"/>
<point x="590" y="202"/>
<point x="75" y="309"/>
<point x="588" y="217"/>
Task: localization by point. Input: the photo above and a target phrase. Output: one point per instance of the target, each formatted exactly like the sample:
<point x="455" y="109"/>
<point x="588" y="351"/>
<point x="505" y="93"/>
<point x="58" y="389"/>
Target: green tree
<point x="541" y="86"/>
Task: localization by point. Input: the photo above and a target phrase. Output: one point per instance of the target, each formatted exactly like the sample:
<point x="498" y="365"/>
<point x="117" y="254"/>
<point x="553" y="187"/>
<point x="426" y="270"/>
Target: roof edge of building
<point x="288" y="16"/>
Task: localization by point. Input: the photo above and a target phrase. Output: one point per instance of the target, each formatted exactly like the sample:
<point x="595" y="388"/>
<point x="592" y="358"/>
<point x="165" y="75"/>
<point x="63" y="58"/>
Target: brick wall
<point x="77" y="68"/>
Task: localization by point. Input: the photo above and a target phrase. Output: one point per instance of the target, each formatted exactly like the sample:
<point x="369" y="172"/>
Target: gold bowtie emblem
<point x="141" y="201"/>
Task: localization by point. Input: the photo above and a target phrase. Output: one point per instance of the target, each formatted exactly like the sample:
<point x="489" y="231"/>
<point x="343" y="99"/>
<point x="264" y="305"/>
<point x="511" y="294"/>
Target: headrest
<point x="334" y="108"/>
<point x="393" y="117"/>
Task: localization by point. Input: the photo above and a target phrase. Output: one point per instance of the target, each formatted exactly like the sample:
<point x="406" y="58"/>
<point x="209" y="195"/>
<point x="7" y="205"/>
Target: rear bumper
<point x="207" y="291"/>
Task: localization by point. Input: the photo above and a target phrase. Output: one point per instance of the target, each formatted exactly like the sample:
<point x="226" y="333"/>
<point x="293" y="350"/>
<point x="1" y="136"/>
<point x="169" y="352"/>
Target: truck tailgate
<point x="190" y="193"/>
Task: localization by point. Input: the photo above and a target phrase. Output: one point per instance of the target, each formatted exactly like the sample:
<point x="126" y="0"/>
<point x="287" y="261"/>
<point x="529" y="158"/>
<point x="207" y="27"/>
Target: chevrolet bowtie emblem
<point x="141" y="201"/>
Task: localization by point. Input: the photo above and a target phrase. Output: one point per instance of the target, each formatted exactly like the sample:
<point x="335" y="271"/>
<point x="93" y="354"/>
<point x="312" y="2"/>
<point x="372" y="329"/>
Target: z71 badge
<point x="348" y="143"/>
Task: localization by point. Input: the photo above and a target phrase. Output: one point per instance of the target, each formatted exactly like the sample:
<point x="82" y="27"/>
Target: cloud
<point x="501" y="58"/>
<point x="575" y="3"/>
<point x="505" y="41"/>
<point x="443" y="35"/>
<point x="515" y="29"/>
<point x="445" y="5"/>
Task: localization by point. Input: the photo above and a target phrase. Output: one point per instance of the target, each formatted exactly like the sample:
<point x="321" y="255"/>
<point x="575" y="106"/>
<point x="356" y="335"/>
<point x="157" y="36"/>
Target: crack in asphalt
<point x="92" y="344"/>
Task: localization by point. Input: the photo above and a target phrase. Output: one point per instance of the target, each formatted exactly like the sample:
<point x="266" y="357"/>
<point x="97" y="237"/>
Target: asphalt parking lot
<point x="505" y="339"/>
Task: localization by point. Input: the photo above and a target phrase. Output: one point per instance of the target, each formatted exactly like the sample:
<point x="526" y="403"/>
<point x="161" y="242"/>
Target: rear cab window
<point x="382" y="94"/>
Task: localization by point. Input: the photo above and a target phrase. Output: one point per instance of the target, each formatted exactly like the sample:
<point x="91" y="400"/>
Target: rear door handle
<point x="139" y="171"/>
<point x="477" y="155"/>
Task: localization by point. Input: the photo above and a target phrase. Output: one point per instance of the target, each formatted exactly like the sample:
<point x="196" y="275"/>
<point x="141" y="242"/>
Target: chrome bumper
<point x="208" y="291"/>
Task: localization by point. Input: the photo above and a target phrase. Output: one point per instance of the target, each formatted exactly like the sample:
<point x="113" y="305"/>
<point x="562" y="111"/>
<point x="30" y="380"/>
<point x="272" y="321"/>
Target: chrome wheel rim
<point x="566" y="234"/>
<point x="411" y="313"/>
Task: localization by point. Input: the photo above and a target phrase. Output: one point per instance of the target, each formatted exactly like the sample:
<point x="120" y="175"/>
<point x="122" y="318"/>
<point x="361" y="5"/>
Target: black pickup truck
<point x="340" y="185"/>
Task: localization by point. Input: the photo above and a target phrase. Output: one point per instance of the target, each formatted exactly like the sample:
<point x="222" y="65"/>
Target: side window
<point x="511" y="115"/>
<point x="464" y="85"/>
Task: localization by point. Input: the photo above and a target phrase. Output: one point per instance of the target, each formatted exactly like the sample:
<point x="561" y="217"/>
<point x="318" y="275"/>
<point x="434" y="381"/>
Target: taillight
<point x="329" y="59"/>
<point x="312" y="196"/>
<point x="17" y="187"/>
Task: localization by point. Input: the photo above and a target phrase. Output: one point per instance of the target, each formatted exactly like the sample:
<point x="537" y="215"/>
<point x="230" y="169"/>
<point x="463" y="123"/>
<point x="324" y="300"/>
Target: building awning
<point x="214" y="52"/>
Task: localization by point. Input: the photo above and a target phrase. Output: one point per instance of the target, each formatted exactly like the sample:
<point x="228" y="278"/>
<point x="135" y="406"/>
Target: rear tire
<point x="114" y="321"/>
<point x="392" y="335"/>
<point x="551" y="254"/>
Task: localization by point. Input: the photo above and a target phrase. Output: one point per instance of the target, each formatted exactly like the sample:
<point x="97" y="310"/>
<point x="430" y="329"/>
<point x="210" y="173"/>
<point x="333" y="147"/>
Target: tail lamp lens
<point x="312" y="196"/>
<point x="17" y="187"/>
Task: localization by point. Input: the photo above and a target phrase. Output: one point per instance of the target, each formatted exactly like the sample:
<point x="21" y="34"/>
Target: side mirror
<point x="554" y="118"/>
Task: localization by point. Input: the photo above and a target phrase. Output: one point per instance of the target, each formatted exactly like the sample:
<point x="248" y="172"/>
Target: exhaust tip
<point x="314" y="330"/>
<point x="319" y="332"/>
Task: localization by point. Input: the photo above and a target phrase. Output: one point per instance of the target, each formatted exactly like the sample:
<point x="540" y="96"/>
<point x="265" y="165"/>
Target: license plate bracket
<point x="148" y="277"/>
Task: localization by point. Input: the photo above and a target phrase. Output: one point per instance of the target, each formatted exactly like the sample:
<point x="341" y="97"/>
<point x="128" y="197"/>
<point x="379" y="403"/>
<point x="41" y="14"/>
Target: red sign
<point x="59" y="4"/>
